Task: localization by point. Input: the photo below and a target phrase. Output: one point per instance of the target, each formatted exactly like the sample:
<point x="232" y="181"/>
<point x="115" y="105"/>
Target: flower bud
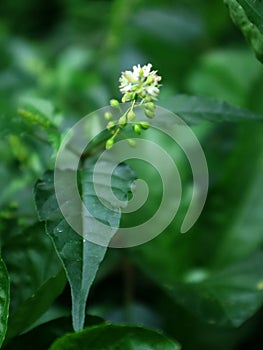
<point x="149" y="80"/>
<point x="109" y="143"/>
<point x="149" y="113"/>
<point x="131" y="142"/>
<point x="122" y="121"/>
<point x="145" y="125"/>
<point x="150" y="105"/>
<point x="110" y="125"/>
<point x="108" y="115"/>
<point x="114" y="103"/>
<point x="137" y="128"/>
<point x="131" y="116"/>
<point x="126" y="98"/>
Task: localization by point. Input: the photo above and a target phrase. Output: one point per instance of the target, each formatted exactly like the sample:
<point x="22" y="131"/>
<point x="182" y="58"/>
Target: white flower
<point x="141" y="83"/>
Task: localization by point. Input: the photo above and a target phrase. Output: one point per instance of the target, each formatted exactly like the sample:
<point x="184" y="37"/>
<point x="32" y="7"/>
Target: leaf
<point x="248" y="16"/>
<point x="42" y="336"/>
<point x="81" y="258"/>
<point x="217" y="75"/>
<point x="38" y="112"/>
<point x="4" y="300"/>
<point x="179" y="27"/>
<point x="36" y="305"/>
<point x="36" y="277"/>
<point x="213" y="246"/>
<point x="41" y="113"/>
<point x="197" y="108"/>
<point x="241" y="196"/>
<point x="254" y="11"/>
<point x="227" y="297"/>
<point x="115" y="337"/>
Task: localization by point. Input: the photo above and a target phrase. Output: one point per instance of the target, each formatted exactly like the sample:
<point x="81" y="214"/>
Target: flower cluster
<point x="141" y="83"/>
<point x="140" y="87"/>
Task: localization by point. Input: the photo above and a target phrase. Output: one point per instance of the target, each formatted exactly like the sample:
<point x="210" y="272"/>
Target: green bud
<point x="108" y="115"/>
<point x="141" y="73"/>
<point x="109" y="143"/>
<point x="122" y="121"/>
<point x="110" y="125"/>
<point x="131" y="142"/>
<point x="149" y="80"/>
<point x="126" y="97"/>
<point x="131" y="116"/>
<point x="137" y="128"/>
<point x="114" y="103"/>
<point x="145" y="125"/>
<point x="129" y="96"/>
<point x="149" y="113"/>
<point x="150" y="105"/>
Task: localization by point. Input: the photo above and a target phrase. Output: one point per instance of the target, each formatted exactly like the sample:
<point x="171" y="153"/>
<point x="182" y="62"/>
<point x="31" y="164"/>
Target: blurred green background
<point x="71" y="53"/>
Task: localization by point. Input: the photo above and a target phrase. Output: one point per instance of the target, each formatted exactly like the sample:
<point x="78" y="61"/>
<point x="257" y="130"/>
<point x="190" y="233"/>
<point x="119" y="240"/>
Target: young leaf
<point x="115" y="337"/>
<point x="4" y="300"/>
<point x="197" y="108"/>
<point x="81" y="258"/>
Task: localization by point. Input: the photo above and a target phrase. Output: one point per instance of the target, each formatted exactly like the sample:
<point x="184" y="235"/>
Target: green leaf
<point x="188" y="265"/>
<point x="254" y="11"/>
<point x="174" y="26"/>
<point x="36" y="277"/>
<point x="42" y="336"/>
<point x="81" y="258"/>
<point x="39" y="112"/>
<point x="197" y="108"/>
<point x="227" y="297"/>
<point x="217" y="75"/>
<point x="36" y="305"/>
<point x="248" y="16"/>
<point x="115" y="337"/>
<point x="241" y="196"/>
<point x="4" y="300"/>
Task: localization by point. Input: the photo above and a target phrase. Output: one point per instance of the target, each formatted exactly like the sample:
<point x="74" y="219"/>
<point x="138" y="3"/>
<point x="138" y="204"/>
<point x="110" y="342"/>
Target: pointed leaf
<point x="113" y="337"/>
<point x="81" y="258"/>
<point x="4" y="300"/>
<point x="197" y="108"/>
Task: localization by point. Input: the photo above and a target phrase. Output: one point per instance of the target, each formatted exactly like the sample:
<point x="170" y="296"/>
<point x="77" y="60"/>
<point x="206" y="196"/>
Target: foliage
<point x="115" y="336"/>
<point x="202" y="289"/>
